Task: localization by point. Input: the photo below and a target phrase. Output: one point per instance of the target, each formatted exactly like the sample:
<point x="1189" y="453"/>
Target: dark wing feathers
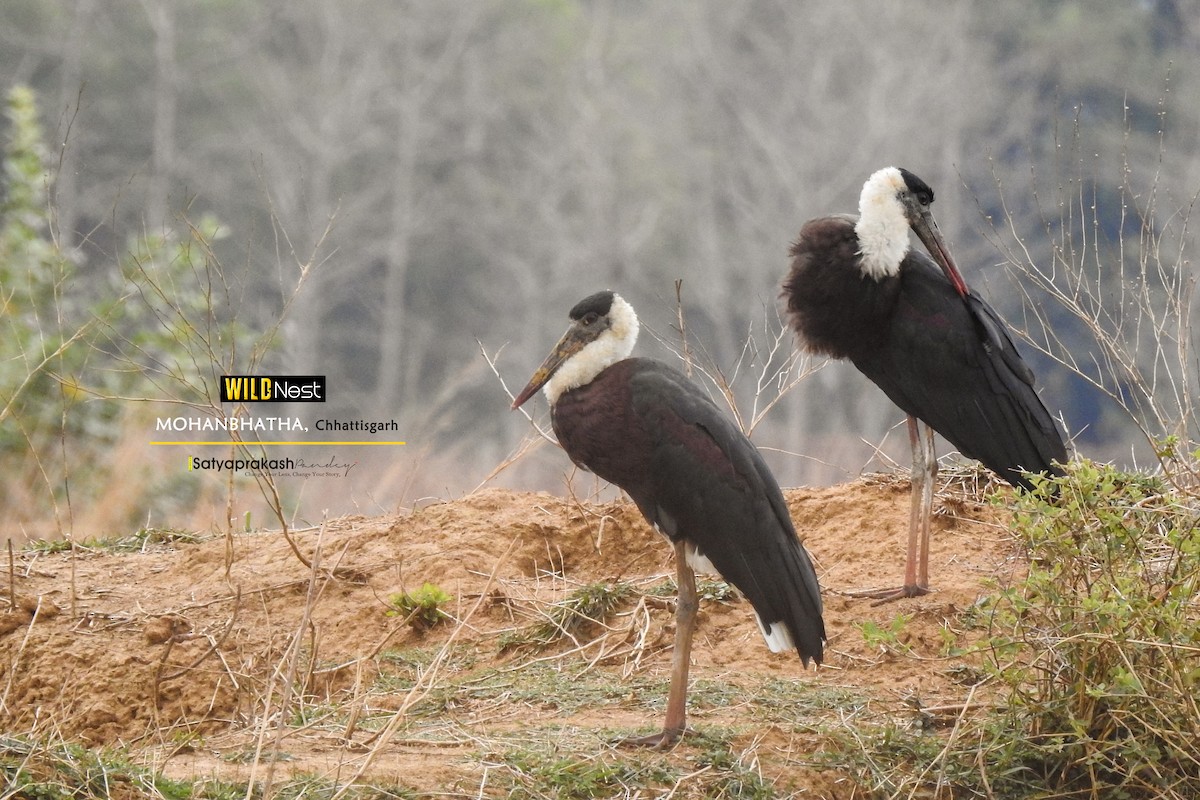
<point x="1011" y="377"/>
<point x="993" y="334"/>
<point x="711" y="487"/>
<point x="953" y="365"/>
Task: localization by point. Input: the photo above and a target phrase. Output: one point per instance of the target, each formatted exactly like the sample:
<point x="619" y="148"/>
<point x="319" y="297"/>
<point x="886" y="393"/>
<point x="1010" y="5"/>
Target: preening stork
<point x="909" y="323"/>
<point x="694" y="475"/>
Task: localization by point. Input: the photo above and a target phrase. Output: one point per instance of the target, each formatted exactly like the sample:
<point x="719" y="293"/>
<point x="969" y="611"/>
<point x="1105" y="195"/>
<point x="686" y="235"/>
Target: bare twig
<point x="491" y="362"/>
<point x="1132" y="299"/>
<point x="215" y="646"/>
<point x="684" y="352"/>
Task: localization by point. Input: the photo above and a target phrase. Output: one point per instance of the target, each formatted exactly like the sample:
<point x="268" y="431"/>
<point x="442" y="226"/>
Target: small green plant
<point x="48" y="546"/>
<point x="422" y="608"/>
<point x="886" y="639"/>
<point x="949" y="639"/>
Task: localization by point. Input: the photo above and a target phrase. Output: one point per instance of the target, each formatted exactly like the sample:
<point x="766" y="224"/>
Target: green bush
<point x="1088" y="681"/>
<point x="1097" y="653"/>
<point x="158" y="324"/>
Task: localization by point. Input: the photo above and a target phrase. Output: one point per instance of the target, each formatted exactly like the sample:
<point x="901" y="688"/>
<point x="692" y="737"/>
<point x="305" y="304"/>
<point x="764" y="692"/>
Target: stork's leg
<point x="924" y="476"/>
<point x="930" y="470"/>
<point x="686" y="607"/>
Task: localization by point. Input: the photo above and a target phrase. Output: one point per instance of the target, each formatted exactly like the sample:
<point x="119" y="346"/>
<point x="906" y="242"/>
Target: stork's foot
<point x="668" y="738"/>
<point x="881" y="596"/>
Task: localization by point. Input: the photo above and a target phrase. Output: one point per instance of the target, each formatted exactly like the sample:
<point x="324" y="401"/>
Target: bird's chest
<point x="850" y="314"/>
<point x="597" y="426"/>
<point x="837" y="309"/>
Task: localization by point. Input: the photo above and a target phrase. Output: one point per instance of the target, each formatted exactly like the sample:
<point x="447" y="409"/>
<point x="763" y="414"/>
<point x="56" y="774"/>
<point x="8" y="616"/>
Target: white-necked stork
<point x="694" y="475"/>
<point x="857" y="291"/>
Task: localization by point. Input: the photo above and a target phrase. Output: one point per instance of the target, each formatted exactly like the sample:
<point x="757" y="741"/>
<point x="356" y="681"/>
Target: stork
<point x="694" y="475"/>
<point x="857" y="291"/>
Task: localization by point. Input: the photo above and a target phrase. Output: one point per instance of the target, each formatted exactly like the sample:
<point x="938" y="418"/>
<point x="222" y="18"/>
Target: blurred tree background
<point x="459" y="174"/>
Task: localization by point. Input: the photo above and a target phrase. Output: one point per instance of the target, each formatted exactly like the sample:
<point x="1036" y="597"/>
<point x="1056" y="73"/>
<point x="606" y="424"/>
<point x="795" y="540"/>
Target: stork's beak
<point x="927" y="231"/>
<point x="571" y="343"/>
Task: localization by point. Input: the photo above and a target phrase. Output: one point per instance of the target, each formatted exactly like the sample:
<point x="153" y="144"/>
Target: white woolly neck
<point x="613" y="345"/>
<point x="882" y="225"/>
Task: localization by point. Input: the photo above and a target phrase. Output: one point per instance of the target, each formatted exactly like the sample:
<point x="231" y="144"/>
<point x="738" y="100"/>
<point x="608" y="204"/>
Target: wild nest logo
<point x="273" y="389"/>
<point x="229" y="427"/>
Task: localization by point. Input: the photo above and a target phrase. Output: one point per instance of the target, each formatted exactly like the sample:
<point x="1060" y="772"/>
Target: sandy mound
<point x="178" y="652"/>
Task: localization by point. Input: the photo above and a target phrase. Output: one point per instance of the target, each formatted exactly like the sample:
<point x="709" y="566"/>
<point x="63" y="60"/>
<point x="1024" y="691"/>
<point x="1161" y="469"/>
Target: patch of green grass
<point x="729" y="775"/>
<point x="315" y="787"/>
<point x="37" y="770"/>
<point x="213" y="789"/>
<point x="143" y="539"/>
<point x="586" y="608"/>
<point x="560" y="688"/>
<point x="566" y="764"/>
<point x="543" y="686"/>
<point x="420" y="658"/>
<point x="707" y="589"/>
<point x="542" y="772"/>
<point x="49" y="545"/>
<point x="799" y="703"/>
<point x="58" y="771"/>
<point x="247" y="756"/>
<point x="550" y="688"/>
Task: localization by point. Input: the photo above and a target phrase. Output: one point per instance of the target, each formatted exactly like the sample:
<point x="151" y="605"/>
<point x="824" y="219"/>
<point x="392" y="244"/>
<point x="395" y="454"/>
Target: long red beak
<point x="931" y="237"/>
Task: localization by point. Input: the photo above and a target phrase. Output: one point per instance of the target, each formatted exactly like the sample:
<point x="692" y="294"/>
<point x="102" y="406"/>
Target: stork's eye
<point x="590" y="318"/>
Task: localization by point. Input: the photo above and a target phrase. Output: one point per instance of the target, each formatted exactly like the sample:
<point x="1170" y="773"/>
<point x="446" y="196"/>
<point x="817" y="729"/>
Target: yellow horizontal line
<point x="254" y="444"/>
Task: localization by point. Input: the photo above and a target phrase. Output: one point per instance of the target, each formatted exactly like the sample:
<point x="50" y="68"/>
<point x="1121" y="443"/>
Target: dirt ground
<point x="180" y="653"/>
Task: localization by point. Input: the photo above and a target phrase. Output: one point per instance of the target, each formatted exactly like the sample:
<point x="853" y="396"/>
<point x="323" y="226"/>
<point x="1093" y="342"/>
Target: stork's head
<point x="603" y="331"/>
<point x="892" y="201"/>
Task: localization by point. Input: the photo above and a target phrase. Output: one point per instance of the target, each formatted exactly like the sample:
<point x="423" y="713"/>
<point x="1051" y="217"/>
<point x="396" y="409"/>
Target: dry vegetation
<point x="227" y="661"/>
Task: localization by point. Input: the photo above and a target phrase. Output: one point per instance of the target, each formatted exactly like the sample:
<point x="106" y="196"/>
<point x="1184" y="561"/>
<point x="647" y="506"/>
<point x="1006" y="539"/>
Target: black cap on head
<point x="917" y="186"/>
<point x="599" y="303"/>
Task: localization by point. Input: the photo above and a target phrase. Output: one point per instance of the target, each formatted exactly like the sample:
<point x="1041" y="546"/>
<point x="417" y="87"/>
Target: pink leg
<point x="686" y="607"/>
<point x="924" y="475"/>
<point x="930" y="470"/>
